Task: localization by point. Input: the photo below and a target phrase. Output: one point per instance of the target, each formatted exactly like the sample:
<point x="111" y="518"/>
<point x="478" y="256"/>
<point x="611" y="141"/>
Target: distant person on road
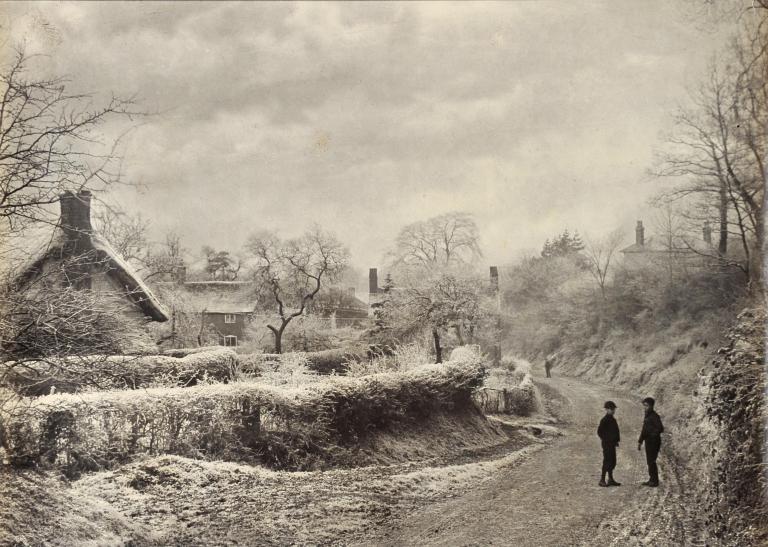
<point x="608" y="431"/>
<point x="548" y="363"/>
<point x="651" y="435"/>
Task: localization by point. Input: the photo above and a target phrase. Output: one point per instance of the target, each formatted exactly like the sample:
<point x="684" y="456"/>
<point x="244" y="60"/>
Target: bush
<point x="294" y="429"/>
<point x="332" y="361"/>
<point x="508" y="389"/>
<point x="76" y="374"/>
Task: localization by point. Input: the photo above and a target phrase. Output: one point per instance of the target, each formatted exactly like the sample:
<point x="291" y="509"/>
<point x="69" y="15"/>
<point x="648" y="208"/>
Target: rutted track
<point x="552" y="498"/>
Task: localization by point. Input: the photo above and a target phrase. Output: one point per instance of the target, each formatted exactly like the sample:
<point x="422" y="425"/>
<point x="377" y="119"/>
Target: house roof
<point x="215" y="296"/>
<point x="651" y="245"/>
<point x="138" y="292"/>
<point x="654" y="245"/>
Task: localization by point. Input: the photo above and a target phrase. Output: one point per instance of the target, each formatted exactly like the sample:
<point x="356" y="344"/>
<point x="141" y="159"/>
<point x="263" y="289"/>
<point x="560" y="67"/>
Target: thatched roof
<point x="70" y="241"/>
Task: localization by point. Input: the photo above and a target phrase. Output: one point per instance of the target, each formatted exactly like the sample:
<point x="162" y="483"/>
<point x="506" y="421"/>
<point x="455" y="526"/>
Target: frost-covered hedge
<point x="508" y="389"/>
<point x="332" y="361"/>
<point x="75" y="374"/>
<point x="298" y="428"/>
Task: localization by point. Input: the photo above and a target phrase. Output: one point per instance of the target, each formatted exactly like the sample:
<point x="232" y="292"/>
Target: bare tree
<point x="451" y="238"/>
<point x="49" y="143"/>
<point x="600" y="253"/>
<point x="125" y="232"/>
<point x="718" y="149"/>
<point x="290" y="273"/>
<point x="128" y="235"/>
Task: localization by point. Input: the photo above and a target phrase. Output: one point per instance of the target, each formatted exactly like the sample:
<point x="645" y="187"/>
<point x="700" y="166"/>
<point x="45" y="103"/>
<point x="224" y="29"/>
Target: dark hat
<point x="650" y="400"/>
<point x="609" y="404"/>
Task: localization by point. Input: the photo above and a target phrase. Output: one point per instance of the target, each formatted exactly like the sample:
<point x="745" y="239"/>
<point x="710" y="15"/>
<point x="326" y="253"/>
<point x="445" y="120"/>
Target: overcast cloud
<point x="534" y="116"/>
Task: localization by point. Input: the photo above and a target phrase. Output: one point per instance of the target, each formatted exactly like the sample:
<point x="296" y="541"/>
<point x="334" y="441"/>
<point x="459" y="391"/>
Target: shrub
<point x="332" y="360"/>
<point x="508" y="389"/>
<point x="294" y="429"/>
<point x="463" y="353"/>
<point x="76" y="374"/>
<point x="403" y="357"/>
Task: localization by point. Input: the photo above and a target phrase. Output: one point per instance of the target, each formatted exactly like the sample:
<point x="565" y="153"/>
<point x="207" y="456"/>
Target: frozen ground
<point x="537" y="489"/>
<point x="552" y="498"/>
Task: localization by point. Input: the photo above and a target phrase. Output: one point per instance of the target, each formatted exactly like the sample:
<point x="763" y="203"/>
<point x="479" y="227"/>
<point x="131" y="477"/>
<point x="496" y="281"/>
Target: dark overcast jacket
<point x="608" y="430"/>
<point x="652" y="427"/>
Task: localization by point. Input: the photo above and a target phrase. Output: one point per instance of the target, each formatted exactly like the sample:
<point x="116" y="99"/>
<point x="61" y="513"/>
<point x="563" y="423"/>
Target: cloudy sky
<point x="534" y="116"/>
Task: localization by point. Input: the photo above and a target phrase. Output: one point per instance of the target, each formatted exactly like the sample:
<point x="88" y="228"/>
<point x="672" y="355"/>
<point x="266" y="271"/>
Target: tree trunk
<point x="460" y="338"/>
<point x="722" y="244"/>
<point x="438" y="349"/>
<point x="202" y="328"/>
<point x="278" y="334"/>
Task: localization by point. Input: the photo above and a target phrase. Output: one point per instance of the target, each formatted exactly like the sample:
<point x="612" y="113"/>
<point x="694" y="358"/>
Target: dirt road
<point x="553" y="497"/>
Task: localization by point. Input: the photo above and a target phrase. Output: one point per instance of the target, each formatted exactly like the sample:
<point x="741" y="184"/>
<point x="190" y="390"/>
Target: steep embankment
<point x="709" y="389"/>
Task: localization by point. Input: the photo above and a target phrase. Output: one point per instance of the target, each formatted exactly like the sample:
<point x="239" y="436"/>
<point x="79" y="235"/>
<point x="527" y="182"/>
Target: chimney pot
<point x="640" y="233"/>
<point x="373" y="281"/>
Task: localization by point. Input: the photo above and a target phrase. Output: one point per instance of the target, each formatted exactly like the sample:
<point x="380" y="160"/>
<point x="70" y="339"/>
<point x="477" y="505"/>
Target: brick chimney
<point x="494" y="279"/>
<point x="76" y="213"/>
<point x="373" y="281"/>
<point x="640" y="234"/>
<point x="707" y="233"/>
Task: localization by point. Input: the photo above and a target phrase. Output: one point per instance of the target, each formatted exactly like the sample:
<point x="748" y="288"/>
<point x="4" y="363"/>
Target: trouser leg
<point x="651" y="454"/>
<point x="609" y="459"/>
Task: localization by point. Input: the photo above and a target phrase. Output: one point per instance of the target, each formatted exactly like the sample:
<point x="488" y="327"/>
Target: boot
<point x="612" y="482"/>
<point x="602" y="483"/>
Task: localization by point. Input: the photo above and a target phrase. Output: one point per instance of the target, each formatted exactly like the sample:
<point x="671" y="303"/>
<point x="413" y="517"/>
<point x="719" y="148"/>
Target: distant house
<point x="647" y="250"/>
<point x="341" y="307"/>
<point x="227" y="306"/>
<point x="79" y="256"/>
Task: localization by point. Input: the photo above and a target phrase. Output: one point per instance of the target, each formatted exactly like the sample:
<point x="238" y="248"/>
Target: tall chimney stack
<point x="707" y="233"/>
<point x="494" y="279"/>
<point x="373" y="281"/>
<point x="640" y="233"/>
<point x="76" y="213"/>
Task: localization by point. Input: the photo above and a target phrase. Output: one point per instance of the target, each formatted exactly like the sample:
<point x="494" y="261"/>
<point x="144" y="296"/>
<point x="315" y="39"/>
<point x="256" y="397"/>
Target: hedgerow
<point x="294" y="429"/>
<point x="76" y="374"/>
<point x="332" y="361"/>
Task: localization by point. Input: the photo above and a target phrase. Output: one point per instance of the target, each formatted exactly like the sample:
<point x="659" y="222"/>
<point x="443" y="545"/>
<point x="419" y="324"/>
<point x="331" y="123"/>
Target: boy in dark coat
<point x="608" y="431"/>
<point x="651" y="435"/>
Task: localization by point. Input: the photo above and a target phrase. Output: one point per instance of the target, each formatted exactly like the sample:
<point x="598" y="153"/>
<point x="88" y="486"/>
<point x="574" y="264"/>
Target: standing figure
<point x="651" y="435"/>
<point x="608" y="431"/>
<point x="548" y="362"/>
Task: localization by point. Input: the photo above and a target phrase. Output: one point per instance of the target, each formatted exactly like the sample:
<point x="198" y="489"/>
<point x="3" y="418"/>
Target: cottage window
<point x="230" y="341"/>
<point x="230" y="318"/>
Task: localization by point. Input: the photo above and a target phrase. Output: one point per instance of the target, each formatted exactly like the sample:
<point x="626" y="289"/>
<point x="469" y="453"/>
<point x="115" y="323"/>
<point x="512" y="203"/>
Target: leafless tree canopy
<point x="49" y="143"/>
<point x="718" y="150"/>
<point x="290" y="273"/>
<point x="601" y="254"/>
<point x="451" y="238"/>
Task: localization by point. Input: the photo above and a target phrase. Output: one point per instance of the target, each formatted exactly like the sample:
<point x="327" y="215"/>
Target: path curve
<point x="552" y="498"/>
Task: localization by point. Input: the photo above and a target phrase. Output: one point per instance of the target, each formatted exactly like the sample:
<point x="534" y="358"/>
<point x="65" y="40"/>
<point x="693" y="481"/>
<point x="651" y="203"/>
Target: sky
<point x="532" y="115"/>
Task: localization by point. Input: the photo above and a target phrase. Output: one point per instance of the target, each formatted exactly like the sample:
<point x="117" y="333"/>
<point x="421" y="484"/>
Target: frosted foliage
<point x="291" y="371"/>
<point x="405" y="357"/>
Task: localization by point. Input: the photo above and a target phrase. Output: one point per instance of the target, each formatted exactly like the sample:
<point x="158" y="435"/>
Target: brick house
<point x="226" y="306"/>
<point x="341" y="307"/>
<point x="648" y="250"/>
